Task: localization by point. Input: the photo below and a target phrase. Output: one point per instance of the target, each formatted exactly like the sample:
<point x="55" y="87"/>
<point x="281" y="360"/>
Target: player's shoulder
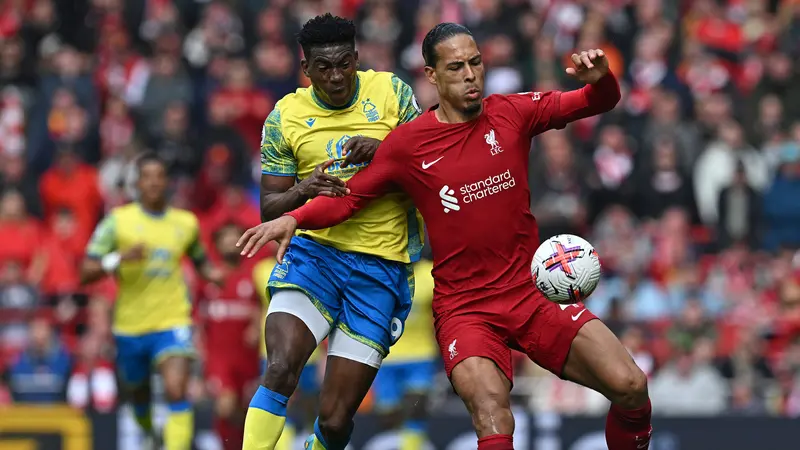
<point x="371" y="78"/>
<point x="183" y="216"/>
<point x="286" y="102"/>
<point x="495" y="101"/>
<point x="126" y="211"/>
<point x="386" y="82"/>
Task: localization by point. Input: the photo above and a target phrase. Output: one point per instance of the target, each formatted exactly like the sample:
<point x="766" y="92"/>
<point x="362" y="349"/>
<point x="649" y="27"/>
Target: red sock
<point x="232" y="436"/>
<point x="496" y="442"/>
<point x="628" y="429"/>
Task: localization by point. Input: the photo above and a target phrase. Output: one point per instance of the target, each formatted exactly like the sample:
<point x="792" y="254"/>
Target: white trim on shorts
<point x="297" y="303"/>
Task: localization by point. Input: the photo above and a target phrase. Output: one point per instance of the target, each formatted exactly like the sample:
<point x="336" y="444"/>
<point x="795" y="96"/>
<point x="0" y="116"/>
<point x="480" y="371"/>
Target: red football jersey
<point x="227" y="311"/>
<point x="470" y="182"/>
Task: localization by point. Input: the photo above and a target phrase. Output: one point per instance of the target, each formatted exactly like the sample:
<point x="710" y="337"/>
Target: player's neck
<point x="448" y="114"/>
<point x="154" y="208"/>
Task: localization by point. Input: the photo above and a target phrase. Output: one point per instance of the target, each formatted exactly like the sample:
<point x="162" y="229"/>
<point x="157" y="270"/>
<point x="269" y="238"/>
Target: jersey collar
<point x="153" y="214"/>
<point x="352" y="101"/>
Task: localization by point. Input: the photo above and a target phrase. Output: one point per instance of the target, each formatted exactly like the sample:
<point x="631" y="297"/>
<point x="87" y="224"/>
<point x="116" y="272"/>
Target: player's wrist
<point x="300" y="192"/>
<point x="110" y="262"/>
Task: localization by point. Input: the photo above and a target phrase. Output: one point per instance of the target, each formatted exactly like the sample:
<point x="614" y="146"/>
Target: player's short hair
<point x="149" y="157"/>
<point x="325" y="30"/>
<point x="439" y="33"/>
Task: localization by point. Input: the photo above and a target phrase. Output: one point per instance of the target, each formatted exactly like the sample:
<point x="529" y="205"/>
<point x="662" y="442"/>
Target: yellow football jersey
<point x="418" y="341"/>
<point x="261" y="273"/>
<point x="303" y="132"/>
<point x="153" y="295"/>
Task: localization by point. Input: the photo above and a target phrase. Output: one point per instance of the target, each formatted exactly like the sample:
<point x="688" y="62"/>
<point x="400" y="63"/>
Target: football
<point x="566" y="269"/>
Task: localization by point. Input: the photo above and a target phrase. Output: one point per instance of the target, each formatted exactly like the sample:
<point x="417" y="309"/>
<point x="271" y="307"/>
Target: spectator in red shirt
<point x="248" y="106"/>
<point x="72" y="184"/>
<point x="65" y="248"/>
<point x="21" y="237"/>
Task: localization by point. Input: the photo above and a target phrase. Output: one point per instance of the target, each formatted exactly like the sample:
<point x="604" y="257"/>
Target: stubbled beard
<point x="473" y="109"/>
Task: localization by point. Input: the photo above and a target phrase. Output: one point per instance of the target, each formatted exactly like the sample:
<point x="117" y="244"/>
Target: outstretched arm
<point x="370" y="183"/>
<point x="537" y="112"/>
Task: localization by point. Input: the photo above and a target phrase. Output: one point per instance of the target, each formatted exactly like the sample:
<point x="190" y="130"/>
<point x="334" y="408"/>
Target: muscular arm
<point x="279" y="195"/>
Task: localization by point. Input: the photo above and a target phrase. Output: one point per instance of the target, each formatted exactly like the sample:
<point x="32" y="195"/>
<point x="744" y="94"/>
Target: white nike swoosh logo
<point x="578" y="316"/>
<point x="426" y="165"/>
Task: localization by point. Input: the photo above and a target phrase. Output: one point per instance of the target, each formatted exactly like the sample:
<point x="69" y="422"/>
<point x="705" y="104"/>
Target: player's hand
<point x="281" y="230"/>
<point x="135" y="253"/>
<point x="321" y="183"/>
<point x="590" y="66"/>
<point x="359" y="149"/>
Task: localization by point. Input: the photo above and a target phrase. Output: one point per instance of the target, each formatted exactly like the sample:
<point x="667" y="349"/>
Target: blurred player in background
<point x="302" y="407"/>
<point x="354" y="280"/>
<point x="406" y="376"/>
<point x="142" y="245"/>
<point x="230" y="336"/>
<point x="465" y="164"/>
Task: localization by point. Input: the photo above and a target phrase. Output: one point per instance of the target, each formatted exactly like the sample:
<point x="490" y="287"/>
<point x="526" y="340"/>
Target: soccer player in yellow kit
<point x="406" y="376"/>
<point x="308" y="383"/>
<point x="142" y="245"/>
<point x="353" y="281"/>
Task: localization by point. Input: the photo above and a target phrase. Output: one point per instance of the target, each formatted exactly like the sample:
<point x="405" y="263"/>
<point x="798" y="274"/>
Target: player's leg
<point x="568" y="341"/>
<point x="598" y="361"/>
<point x="349" y="372"/>
<point x="478" y="363"/>
<point x="290" y="342"/>
<point x="173" y="354"/>
<point x="133" y="365"/>
<point x="304" y="302"/>
<point x="376" y="298"/>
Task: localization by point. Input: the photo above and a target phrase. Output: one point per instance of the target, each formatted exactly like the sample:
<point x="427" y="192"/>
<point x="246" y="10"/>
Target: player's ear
<point x="355" y="57"/>
<point x="304" y="66"/>
<point x="430" y="74"/>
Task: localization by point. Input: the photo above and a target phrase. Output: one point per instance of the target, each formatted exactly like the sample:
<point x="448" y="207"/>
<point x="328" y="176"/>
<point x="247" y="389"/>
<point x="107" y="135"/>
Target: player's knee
<point x="491" y="412"/>
<point x="629" y="387"/>
<point x="335" y="425"/>
<point x="281" y="377"/>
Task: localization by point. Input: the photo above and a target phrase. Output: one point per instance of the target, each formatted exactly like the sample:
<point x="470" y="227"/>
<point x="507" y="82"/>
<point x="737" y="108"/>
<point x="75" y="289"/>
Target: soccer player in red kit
<point x="231" y="314"/>
<point x="465" y="165"/>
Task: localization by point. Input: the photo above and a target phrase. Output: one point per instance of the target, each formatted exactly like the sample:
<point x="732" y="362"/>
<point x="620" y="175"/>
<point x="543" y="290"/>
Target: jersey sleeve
<point x="372" y="182"/>
<point x="408" y="108"/>
<point x="103" y="239"/>
<point x="195" y="251"/>
<point x="537" y="112"/>
<point x="277" y="158"/>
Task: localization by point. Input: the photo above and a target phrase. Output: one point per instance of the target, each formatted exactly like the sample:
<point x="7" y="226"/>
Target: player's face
<point x="458" y="74"/>
<point x="332" y="71"/>
<point x="152" y="182"/>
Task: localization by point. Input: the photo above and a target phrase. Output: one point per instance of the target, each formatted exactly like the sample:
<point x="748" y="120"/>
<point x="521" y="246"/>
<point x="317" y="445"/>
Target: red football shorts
<point x="519" y="319"/>
<point x="231" y="372"/>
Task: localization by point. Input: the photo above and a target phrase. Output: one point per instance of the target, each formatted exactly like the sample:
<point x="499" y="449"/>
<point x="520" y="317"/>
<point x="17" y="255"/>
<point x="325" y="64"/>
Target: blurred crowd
<point x="690" y="188"/>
